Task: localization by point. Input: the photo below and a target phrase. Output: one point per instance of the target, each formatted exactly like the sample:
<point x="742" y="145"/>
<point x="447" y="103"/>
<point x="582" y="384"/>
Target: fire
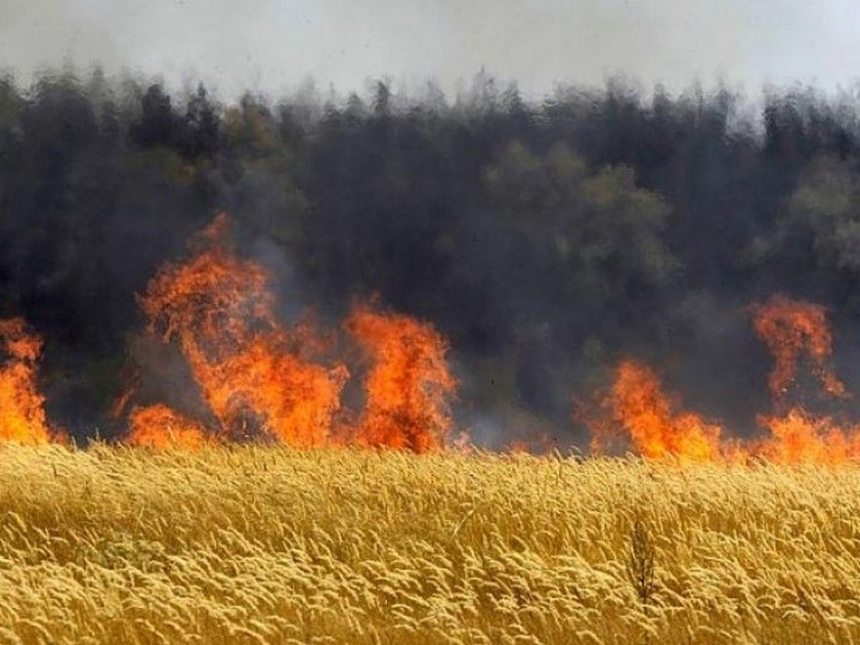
<point x="637" y="408"/>
<point x="251" y="370"/>
<point x="800" y="437"/>
<point x="261" y="379"/>
<point x="295" y="399"/>
<point x="22" y="412"/>
<point x="407" y="387"/>
<point x="157" y="426"/>
<point x="791" y="328"/>
<point x="541" y="444"/>
<point x="636" y="404"/>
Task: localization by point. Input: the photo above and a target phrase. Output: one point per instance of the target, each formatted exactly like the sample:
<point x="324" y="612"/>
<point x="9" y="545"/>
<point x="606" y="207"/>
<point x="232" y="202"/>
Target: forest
<point x="544" y="239"/>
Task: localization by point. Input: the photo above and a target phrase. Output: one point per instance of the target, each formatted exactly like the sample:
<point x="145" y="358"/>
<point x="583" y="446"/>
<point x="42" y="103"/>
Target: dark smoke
<point x="545" y="240"/>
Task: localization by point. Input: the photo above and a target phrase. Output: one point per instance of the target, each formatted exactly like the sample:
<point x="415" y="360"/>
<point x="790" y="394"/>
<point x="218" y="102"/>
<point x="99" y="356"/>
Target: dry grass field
<point x="269" y="545"/>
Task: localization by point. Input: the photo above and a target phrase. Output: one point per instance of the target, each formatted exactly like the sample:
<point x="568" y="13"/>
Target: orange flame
<point x="636" y="404"/>
<point x="800" y="437"/>
<point x="541" y="444"/>
<point x="159" y="427"/>
<point x="22" y="412"/>
<point x="790" y="328"/>
<point x="407" y="387"/>
<point x="250" y="369"/>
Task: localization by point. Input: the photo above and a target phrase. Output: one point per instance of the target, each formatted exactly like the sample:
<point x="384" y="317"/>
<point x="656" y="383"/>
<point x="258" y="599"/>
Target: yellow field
<point x="259" y="544"/>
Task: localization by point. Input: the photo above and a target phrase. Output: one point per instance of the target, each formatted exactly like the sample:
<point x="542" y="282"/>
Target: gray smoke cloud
<point x="271" y="46"/>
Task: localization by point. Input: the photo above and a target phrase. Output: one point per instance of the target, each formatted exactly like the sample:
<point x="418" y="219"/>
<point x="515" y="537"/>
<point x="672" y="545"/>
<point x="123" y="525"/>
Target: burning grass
<point x="636" y="413"/>
<point x="251" y="544"/>
<point x="22" y="414"/>
<point x="262" y="379"/>
<point x="277" y="514"/>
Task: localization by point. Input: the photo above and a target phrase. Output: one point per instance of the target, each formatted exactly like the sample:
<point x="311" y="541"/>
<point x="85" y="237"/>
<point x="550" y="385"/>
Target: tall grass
<point x="267" y="545"/>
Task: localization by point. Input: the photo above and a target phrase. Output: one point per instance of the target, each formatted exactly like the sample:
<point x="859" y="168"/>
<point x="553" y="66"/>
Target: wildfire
<point x="407" y="387"/>
<point x="157" y="426"/>
<point x="636" y="404"/>
<point x="251" y="370"/>
<point x="798" y="437"/>
<point x="22" y="413"/>
<point x="636" y="409"/>
<point x="261" y="379"/>
<point x="791" y="328"/>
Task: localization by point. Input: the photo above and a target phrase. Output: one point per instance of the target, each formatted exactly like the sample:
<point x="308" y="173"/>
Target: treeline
<point x="545" y="240"/>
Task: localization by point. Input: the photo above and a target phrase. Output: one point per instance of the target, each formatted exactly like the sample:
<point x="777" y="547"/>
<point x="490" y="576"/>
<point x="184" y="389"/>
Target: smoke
<point x="539" y="42"/>
<point x="546" y="241"/>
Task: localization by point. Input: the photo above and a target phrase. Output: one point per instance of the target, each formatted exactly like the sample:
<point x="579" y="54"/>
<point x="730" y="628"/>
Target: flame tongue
<point x="259" y="378"/>
<point x="294" y="399"/>
<point x="800" y="437"/>
<point x="219" y="311"/>
<point x="22" y="413"/>
<point x="791" y="328"/>
<point x="157" y="426"/>
<point x="408" y="385"/>
<point x="637" y="405"/>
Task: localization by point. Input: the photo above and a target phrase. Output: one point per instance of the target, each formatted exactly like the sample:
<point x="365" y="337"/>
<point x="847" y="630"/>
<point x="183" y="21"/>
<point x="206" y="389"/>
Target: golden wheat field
<point x="252" y="544"/>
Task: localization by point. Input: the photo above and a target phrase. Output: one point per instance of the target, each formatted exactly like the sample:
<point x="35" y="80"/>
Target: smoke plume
<point x="545" y="242"/>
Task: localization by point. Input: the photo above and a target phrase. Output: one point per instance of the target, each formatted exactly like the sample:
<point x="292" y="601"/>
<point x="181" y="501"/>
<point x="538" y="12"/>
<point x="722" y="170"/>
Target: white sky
<point x="272" y="45"/>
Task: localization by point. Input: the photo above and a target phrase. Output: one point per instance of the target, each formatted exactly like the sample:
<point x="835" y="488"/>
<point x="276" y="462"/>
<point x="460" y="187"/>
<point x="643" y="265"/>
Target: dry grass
<point x="254" y="544"/>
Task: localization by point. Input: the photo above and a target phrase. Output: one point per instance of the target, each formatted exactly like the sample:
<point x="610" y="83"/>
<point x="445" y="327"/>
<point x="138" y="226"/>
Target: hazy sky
<point x="271" y="45"/>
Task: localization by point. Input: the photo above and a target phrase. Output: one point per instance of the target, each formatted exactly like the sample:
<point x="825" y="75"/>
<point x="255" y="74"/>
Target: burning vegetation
<point x="637" y="406"/>
<point x="793" y="330"/>
<point x="253" y="373"/>
<point x="636" y="413"/>
<point x="158" y="426"/>
<point x="557" y="245"/>
<point x="408" y="385"/>
<point x="553" y="242"/>
<point x="22" y="411"/>
<point x="263" y="380"/>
